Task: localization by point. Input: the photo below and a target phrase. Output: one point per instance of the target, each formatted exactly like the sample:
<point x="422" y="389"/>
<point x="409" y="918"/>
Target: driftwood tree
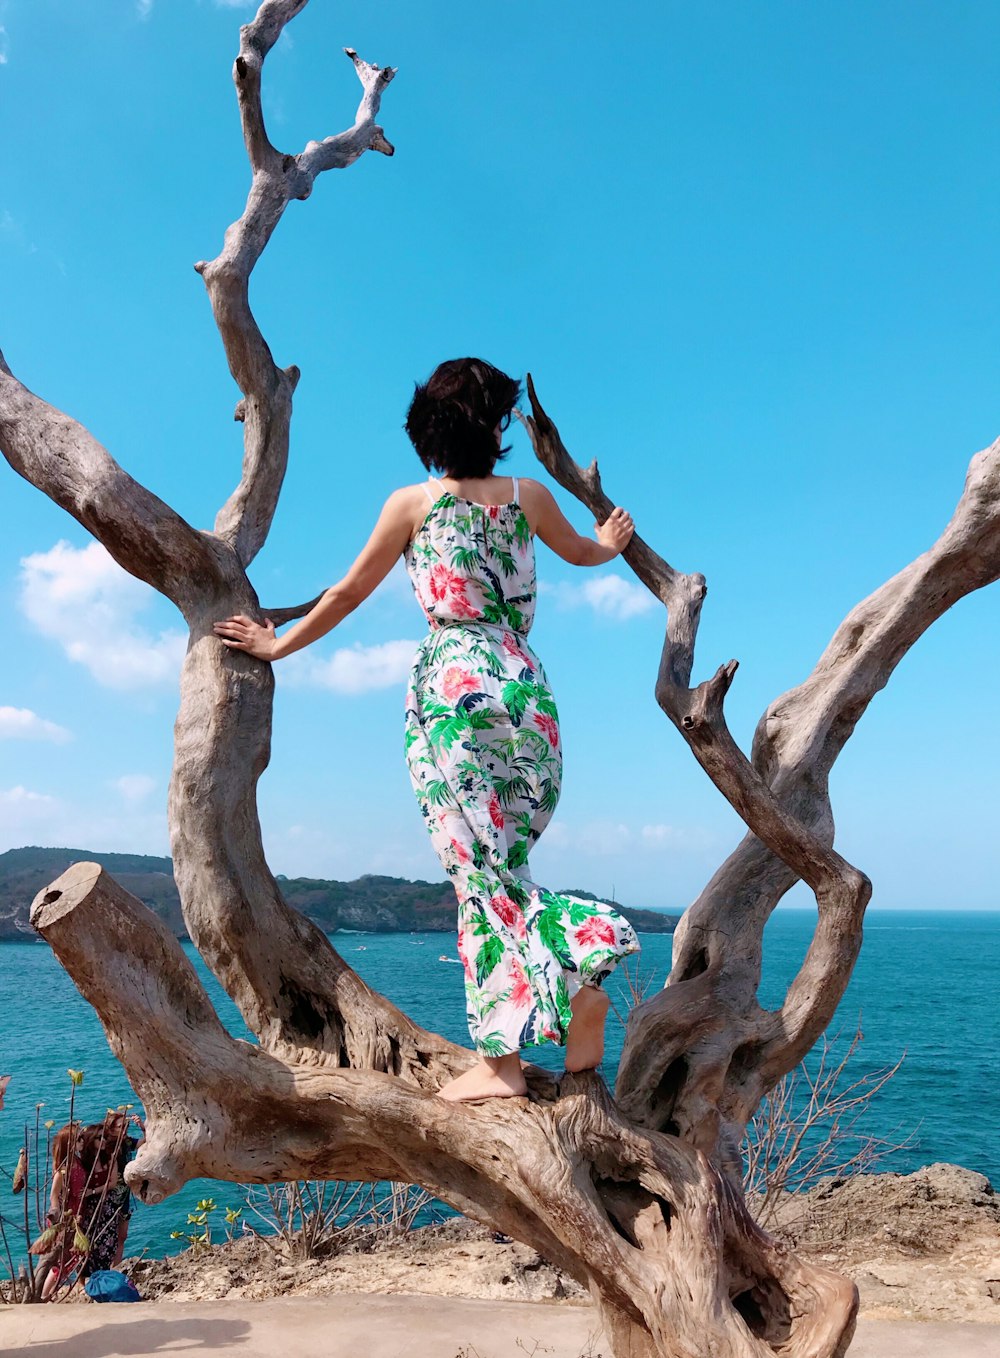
<point x="638" y="1196"/>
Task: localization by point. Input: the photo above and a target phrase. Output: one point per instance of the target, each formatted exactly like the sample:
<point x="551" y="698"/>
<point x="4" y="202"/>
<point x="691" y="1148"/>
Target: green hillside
<point x="374" y="904"/>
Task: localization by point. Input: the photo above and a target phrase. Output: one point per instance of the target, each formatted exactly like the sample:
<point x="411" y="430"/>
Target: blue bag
<point x="107" y="1284"/>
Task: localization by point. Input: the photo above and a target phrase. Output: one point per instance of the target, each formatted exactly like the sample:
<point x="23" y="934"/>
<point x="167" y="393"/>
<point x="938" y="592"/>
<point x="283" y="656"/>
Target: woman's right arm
<point x="551" y="525"/>
<point x="55" y="1197"/>
<point x="381" y="552"/>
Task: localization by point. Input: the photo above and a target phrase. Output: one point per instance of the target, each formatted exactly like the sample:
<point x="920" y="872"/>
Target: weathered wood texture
<point x="666" y="1247"/>
<point x="640" y="1199"/>
<point x="700" y="1055"/>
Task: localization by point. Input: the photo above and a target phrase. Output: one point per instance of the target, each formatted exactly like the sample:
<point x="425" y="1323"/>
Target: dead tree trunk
<point x="638" y="1198"/>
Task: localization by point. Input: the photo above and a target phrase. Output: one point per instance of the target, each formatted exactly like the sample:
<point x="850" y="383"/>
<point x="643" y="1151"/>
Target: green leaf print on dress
<point x="485" y="758"/>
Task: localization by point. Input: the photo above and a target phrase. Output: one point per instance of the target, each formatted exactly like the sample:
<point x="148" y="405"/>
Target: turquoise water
<point x="926" y="984"/>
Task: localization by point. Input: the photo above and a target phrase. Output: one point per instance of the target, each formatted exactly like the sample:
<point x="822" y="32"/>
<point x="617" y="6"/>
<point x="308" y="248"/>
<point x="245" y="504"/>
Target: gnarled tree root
<point x="673" y="1260"/>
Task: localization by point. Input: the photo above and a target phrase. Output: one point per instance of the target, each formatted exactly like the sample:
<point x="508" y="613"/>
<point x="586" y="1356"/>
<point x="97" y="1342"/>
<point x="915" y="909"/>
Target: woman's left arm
<point x="389" y="538"/>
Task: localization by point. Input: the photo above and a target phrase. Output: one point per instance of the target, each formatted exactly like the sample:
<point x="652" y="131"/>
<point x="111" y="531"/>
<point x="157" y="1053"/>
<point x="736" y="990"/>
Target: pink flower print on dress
<point x="512" y="648"/>
<point x="595" y="931"/>
<point x="506" y="909"/>
<point x="477" y="777"/>
<point x="520" y="995"/>
<point x="448" y="587"/>
<point x="462" y="954"/>
<point x="455" y="681"/>
<point x="549" y="726"/>
<point x="440" y="581"/>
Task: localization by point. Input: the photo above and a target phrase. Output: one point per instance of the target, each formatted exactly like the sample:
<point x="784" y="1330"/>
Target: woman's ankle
<point x="506" y="1066"/>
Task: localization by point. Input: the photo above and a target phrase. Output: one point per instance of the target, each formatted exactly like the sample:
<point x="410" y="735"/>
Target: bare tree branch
<point x="342" y="1083"/>
<point x="681" y="594"/>
<point x="699" y="1055"/>
<point x="65" y="462"/>
<point x="669" y="1252"/>
<point x="279" y="616"/>
<point x="266" y="405"/>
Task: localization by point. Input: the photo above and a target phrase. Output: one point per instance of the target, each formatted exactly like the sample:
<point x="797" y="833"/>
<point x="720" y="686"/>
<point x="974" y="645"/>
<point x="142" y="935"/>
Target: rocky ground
<point x="923" y="1246"/>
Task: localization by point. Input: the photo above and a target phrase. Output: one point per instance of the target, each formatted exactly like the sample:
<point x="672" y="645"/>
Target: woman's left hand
<point x="616" y="531"/>
<point x="240" y="633"/>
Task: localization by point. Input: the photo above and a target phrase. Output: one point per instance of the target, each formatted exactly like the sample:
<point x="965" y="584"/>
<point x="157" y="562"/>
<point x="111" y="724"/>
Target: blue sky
<point x="749" y="253"/>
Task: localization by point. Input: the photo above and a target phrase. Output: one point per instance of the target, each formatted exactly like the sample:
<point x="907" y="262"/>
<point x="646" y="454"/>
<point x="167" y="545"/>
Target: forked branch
<point x="265" y="408"/>
<point x="668" y="1252"/>
<point x="66" y="463"/>
<point x="681" y="594"/>
<point x="699" y="1056"/>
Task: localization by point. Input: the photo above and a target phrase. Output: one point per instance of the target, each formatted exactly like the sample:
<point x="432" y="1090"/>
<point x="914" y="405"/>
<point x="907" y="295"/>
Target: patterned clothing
<point x="102" y="1231"/>
<point x="483" y="749"/>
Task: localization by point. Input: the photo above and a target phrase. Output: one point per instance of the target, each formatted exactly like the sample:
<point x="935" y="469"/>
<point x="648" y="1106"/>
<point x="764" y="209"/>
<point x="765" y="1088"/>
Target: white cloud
<point x="610" y="596"/>
<point x="144" y="8"/>
<point x="602" y="838"/>
<point x="98" y="824"/>
<point x="20" y="723"/>
<point x="19" y="798"/>
<point x="352" y="669"/>
<point x="664" y="837"/>
<point x="4" y="46"/>
<point x="134" y="787"/>
<point x="81" y="598"/>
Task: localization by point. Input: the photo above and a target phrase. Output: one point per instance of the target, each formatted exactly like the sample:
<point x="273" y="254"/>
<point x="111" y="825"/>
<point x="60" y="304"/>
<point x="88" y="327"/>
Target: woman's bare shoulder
<point x="529" y="485"/>
<point x="408" y="506"/>
<point x="407" y="500"/>
<point x="417" y="491"/>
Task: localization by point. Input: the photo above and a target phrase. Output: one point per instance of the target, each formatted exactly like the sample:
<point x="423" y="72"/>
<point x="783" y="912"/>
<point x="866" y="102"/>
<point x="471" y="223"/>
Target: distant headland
<point x="371" y="904"/>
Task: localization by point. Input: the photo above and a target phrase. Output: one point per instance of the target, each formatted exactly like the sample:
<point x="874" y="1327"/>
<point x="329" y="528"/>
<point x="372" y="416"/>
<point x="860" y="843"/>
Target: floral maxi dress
<point x="483" y="749"/>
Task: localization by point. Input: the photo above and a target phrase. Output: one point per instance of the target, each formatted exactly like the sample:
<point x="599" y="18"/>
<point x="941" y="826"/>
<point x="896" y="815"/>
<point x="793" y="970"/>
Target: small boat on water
<point x="442" y="958"/>
<point x="361" y="948"/>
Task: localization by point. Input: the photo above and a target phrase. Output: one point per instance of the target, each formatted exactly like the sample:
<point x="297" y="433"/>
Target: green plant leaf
<point x="492" y="1044"/>
<point x="563" y="1002"/>
<point x="579" y="912"/>
<point x="518" y="854"/>
<point x="553" y="935"/>
<point x="488" y="957"/>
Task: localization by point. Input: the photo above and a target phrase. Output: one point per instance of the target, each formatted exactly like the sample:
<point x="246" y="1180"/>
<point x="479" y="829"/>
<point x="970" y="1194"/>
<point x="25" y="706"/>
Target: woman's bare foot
<point x="585" y="1036"/>
<point x="492" y="1077"/>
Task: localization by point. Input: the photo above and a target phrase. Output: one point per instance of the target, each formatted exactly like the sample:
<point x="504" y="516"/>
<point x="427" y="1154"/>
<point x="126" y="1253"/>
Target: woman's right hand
<point x="240" y="633"/>
<point x="616" y="531"/>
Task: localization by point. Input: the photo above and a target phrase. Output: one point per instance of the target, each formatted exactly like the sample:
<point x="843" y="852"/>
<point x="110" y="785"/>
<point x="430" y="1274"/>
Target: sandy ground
<point x="352" y="1326"/>
<point x="924" y="1249"/>
<point x="923" y="1246"/>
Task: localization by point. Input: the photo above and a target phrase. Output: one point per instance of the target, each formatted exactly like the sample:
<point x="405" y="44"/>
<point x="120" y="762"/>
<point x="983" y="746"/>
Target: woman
<point x="66" y="1203"/>
<point x="482" y="734"/>
<point x="109" y="1199"/>
<point x="121" y="1195"/>
<point x="100" y="1210"/>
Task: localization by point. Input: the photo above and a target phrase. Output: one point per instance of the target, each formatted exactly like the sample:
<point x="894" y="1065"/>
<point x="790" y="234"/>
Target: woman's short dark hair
<point x="453" y="417"/>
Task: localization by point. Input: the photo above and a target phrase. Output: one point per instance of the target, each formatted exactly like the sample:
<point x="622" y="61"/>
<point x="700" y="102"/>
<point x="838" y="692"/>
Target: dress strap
<point x="517" y="491"/>
<point x="427" y="491"/>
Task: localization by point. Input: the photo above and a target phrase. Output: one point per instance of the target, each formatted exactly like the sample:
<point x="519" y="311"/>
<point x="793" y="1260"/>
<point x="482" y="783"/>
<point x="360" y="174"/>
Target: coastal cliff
<point x="369" y="904"/>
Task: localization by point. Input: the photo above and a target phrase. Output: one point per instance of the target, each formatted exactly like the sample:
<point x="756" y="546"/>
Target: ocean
<point x="926" y="988"/>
